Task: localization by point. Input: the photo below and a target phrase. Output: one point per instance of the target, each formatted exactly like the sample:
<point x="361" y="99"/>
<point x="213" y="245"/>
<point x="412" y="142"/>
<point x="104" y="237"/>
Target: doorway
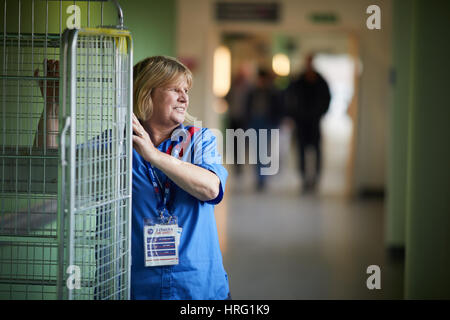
<point x="335" y="60"/>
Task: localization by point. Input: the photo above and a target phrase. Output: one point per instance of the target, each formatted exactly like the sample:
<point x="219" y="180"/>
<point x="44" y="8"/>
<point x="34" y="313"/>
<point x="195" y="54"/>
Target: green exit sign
<point x="323" y="17"/>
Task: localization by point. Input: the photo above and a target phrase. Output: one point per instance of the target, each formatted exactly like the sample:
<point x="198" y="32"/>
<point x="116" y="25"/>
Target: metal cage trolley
<point x="65" y="204"/>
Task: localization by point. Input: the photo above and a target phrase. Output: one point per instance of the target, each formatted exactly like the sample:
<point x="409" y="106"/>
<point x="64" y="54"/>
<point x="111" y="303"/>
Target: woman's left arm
<point x="197" y="181"/>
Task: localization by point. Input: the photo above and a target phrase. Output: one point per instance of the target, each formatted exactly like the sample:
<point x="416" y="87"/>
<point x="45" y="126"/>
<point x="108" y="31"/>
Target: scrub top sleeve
<point x="207" y="156"/>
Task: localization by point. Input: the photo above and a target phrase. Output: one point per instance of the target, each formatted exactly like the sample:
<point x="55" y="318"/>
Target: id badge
<point x="161" y="242"/>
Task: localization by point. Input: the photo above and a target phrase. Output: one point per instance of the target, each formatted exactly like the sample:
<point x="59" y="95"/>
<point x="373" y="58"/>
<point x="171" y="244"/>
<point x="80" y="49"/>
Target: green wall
<point x="152" y="24"/>
<point x="419" y="162"/>
<point x="398" y="126"/>
<point x="428" y="201"/>
<point x="418" y="206"/>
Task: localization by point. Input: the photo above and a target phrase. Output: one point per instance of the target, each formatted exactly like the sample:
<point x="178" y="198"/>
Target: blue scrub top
<point x="200" y="274"/>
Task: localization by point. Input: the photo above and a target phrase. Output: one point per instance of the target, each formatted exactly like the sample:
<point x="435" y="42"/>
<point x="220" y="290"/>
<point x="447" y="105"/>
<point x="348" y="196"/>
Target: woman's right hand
<point x="142" y="142"/>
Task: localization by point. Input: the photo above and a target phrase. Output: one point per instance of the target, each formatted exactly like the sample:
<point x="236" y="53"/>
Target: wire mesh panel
<point x="46" y="223"/>
<point x="28" y="171"/>
<point x="98" y="90"/>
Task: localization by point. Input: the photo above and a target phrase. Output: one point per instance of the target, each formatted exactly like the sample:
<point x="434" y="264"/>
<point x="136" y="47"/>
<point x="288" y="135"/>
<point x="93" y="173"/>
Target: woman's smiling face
<point x="170" y="103"/>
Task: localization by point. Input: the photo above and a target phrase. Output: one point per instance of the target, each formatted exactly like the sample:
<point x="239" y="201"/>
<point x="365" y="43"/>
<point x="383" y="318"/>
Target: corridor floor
<point x="280" y="244"/>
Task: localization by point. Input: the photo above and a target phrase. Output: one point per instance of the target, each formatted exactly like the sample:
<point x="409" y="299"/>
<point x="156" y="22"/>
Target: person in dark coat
<point x="309" y="97"/>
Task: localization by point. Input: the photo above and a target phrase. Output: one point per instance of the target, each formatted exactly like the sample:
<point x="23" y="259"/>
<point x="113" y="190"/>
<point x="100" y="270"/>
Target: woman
<point x="196" y="183"/>
<point x="177" y="180"/>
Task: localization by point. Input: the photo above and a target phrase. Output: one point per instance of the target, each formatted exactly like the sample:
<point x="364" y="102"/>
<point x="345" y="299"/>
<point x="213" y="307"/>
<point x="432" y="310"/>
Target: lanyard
<point x="178" y="148"/>
<point x="158" y="187"/>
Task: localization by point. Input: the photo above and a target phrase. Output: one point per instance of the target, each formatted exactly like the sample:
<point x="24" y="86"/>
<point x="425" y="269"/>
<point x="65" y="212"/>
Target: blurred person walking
<point x="263" y="112"/>
<point x="236" y="99"/>
<point x="309" y="100"/>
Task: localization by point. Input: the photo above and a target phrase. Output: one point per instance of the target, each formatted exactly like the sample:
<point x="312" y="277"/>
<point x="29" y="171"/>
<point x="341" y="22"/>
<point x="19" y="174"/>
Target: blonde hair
<point x="155" y="72"/>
